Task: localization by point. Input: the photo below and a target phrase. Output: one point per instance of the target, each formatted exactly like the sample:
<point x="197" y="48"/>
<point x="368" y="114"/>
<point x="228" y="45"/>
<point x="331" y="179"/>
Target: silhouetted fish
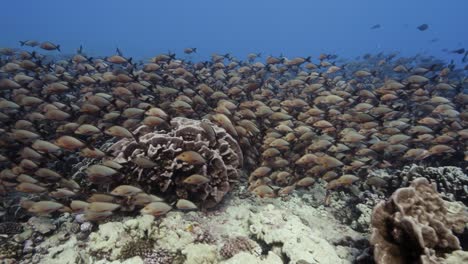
<point x="376" y="26"/>
<point x="423" y="27"/>
<point x="458" y="51"/>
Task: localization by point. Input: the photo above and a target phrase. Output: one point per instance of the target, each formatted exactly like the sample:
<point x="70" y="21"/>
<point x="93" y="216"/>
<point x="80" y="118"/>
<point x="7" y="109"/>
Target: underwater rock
<point x="415" y="224"/>
<point x="42" y="225"/>
<point x="64" y="253"/>
<point x="200" y="253"/>
<point x="456" y="257"/>
<point x="245" y="257"/>
<point x="86" y="227"/>
<point x="298" y="241"/>
<point x="108" y="240"/>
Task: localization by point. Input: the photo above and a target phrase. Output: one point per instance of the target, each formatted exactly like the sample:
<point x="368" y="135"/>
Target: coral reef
<point x="257" y="231"/>
<point x="146" y="251"/>
<point x="451" y="182"/>
<point x="220" y="159"/>
<point x="238" y="244"/>
<point x="10" y="251"/>
<point x="9" y="228"/>
<point x="42" y="225"/>
<point x="415" y="224"/>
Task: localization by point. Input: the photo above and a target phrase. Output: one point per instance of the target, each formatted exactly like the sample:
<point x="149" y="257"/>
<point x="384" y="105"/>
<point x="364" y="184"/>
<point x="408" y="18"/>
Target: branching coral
<point x="415" y="224"/>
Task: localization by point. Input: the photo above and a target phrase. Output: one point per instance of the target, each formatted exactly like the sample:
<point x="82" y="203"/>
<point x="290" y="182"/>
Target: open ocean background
<point x="144" y="28"/>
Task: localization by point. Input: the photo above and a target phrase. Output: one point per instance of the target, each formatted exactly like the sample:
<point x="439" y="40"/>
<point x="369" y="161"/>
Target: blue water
<point x="144" y="28"/>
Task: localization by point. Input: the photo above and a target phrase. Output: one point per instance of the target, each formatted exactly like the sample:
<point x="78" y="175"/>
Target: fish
<point x="264" y="191"/>
<point x="458" y="51"/>
<point x="142" y="199"/>
<point x="144" y="163"/>
<point x="100" y="172"/>
<point x="190" y="50"/>
<point x="156" y="208"/>
<point x="196" y="179"/>
<point x="183" y="204"/>
<point x="344" y="180"/>
<point x="100" y="197"/>
<point x="99" y="207"/>
<point x="191" y="157"/>
<point x="28" y="187"/>
<point x="78" y="206"/>
<point x="288" y="122"/>
<point x="45" y="207"/>
<point x="49" y="46"/>
<point x="376" y="26"/>
<point x="87" y="129"/>
<point x="119" y="131"/>
<point x="69" y="143"/>
<point x="422" y="27"/>
<point x="30" y="43"/>
<point x="97" y="216"/>
<point x="126" y="190"/>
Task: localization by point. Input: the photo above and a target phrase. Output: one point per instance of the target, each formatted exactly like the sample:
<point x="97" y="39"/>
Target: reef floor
<point x="244" y="229"/>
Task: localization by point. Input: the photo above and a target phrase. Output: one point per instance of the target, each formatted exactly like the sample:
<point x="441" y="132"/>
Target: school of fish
<point x="297" y="120"/>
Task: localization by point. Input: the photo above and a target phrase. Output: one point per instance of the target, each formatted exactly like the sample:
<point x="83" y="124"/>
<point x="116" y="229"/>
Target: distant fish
<point x="49" y="46"/>
<point x="433" y="40"/>
<point x="119" y="51"/>
<point x="423" y="27"/>
<point x="190" y="50"/>
<point x="458" y="51"/>
<point x="464" y="59"/>
<point x="376" y="26"/>
<point x="31" y="43"/>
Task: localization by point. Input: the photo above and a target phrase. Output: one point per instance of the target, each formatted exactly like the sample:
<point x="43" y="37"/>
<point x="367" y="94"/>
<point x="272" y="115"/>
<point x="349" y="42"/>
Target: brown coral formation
<point x="416" y="225"/>
<point x="175" y="156"/>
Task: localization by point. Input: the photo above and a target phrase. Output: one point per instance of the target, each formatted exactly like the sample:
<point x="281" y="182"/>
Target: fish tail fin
<point x="22" y="43"/>
<point x="194" y="50"/>
<point x="434" y="78"/>
<point x="307" y="59"/>
<point x="58" y="48"/>
<point x="38" y="63"/>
